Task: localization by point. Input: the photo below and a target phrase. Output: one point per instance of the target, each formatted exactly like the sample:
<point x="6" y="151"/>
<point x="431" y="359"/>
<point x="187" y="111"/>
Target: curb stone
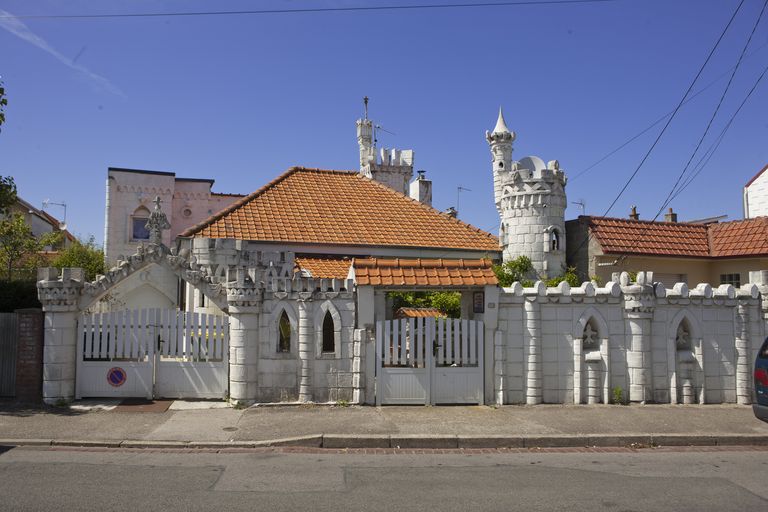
<point x="415" y="441"/>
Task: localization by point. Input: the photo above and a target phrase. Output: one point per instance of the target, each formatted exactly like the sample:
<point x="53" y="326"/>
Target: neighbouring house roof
<point x="419" y="313"/>
<point x="423" y="272"/>
<point x="315" y="206"/>
<point x="756" y="176"/>
<point x="747" y="237"/>
<point x="324" y="268"/>
<point x="55" y="223"/>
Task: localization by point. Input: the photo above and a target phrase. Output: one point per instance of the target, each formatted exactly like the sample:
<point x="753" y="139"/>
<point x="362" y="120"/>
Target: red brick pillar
<point x="29" y="355"/>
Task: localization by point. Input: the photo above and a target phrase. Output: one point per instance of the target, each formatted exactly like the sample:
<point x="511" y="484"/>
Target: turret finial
<point x="501" y="126"/>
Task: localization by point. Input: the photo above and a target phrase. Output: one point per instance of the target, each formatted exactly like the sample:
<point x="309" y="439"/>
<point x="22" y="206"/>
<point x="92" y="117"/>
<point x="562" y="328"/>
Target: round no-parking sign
<point x="116" y="376"/>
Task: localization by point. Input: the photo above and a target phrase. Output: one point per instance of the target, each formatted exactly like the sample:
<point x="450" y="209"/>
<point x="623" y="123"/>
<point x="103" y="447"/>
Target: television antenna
<point x="582" y="204"/>
<point x="48" y="202"/>
<point x="459" y="190"/>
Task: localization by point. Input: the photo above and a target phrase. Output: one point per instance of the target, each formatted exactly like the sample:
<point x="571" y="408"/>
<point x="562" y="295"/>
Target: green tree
<point x="518" y="269"/>
<point x="82" y="254"/>
<point x="7" y="193"/>
<point x="570" y="276"/>
<point x="20" y="248"/>
<point x="447" y="302"/>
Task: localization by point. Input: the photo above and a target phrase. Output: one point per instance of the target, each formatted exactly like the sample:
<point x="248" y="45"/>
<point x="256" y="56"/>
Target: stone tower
<point x="393" y="168"/>
<point x="530" y="199"/>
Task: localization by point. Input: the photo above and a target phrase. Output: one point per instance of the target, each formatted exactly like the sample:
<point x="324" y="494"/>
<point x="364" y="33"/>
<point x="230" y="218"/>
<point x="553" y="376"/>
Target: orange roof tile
<point x="747" y="237"/>
<point x="315" y="206"/>
<point x="419" y="313"/>
<point x="646" y="237"/>
<point x="423" y="272"/>
<point x="324" y="267"/>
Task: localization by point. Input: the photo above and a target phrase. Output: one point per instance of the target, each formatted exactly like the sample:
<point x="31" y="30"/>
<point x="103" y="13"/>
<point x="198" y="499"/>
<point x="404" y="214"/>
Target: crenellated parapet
<point x="309" y="288"/>
<point x="60" y="291"/>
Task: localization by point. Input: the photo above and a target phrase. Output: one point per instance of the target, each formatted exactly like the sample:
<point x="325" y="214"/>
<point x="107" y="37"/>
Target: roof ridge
<point x="237" y="204"/>
<point x="761" y="171"/>
<point x="429" y="207"/>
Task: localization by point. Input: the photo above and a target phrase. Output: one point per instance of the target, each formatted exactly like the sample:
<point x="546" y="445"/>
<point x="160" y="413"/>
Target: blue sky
<point x="242" y="98"/>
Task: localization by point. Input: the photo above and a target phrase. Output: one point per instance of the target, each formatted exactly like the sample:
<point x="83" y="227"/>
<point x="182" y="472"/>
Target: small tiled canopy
<point x="423" y="273"/>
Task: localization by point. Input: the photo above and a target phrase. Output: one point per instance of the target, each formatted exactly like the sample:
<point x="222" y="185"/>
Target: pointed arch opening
<point x="284" y="333"/>
<point x="327" y="331"/>
<point x="329" y="340"/>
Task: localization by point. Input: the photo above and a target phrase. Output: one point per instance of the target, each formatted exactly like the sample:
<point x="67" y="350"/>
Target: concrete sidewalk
<point x="206" y="424"/>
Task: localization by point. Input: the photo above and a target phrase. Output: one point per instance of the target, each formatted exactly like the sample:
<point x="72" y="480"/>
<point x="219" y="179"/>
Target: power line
<point x="669" y="121"/>
<point x="668" y="199"/>
<point x="674" y="113"/>
<point x="659" y="120"/>
<point x="708" y="154"/>
<point x="671" y="193"/>
<point x="309" y="10"/>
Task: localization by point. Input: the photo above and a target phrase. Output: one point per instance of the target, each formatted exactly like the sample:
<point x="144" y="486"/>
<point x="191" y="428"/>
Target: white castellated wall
<point x="391" y="167"/>
<point x="530" y="198"/>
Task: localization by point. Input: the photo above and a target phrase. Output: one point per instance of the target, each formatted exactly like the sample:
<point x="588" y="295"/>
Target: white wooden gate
<point x="152" y="353"/>
<point x="429" y="361"/>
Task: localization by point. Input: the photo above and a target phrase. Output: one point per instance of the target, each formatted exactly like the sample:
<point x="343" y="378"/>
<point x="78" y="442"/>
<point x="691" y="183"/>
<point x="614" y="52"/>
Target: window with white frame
<point x="139" y="220"/>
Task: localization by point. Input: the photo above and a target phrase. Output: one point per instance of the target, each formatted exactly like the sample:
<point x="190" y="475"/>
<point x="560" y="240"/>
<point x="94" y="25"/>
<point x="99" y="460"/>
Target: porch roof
<point x="324" y="268"/>
<point x="423" y="272"/>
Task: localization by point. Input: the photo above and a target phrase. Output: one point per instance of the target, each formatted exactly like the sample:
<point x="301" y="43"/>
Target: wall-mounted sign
<point x="478" y="301"/>
<point x="116" y="377"/>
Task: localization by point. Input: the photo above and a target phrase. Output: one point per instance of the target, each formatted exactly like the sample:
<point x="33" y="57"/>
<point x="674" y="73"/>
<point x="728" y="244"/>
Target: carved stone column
<point x="59" y="296"/>
<point x="244" y="298"/>
<point x="534" y="378"/>
<point x="639" y="302"/>
<point x="306" y="350"/>
<point x="743" y="357"/>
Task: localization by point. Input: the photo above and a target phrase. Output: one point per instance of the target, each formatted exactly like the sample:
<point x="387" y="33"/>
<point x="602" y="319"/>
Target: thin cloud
<point x="20" y="30"/>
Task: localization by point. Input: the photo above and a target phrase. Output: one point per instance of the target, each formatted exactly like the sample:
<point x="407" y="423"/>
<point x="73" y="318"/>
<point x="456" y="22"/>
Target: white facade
<point x="756" y="195"/>
<point x="530" y="198"/>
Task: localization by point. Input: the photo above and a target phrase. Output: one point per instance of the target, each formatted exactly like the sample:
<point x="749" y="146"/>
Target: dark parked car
<point x="760" y="406"/>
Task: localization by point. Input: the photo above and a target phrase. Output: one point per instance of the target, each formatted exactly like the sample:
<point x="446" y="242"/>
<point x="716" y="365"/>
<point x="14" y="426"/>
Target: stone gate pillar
<point x="59" y="295"/>
<point x="747" y="308"/>
<point x="245" y="300"/>
<point x="306" y="350"/>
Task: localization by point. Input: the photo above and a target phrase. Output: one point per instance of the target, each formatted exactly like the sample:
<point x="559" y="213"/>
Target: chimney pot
<point x="670" y="216"/>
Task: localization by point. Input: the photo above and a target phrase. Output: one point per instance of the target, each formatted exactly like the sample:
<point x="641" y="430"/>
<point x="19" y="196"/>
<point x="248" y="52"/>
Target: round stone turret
<point x="530" y="198"/>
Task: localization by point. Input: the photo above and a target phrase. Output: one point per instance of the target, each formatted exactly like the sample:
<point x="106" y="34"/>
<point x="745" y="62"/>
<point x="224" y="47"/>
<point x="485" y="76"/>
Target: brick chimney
<point x="670" y="216"/>
<point x="633" y="213"/>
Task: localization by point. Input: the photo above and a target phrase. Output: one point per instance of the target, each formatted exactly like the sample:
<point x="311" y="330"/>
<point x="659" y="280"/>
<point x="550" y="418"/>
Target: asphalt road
<point x="44" y="479"/>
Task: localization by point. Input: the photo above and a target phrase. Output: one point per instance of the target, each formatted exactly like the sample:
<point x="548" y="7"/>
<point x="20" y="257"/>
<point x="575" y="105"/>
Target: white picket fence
<point x="153" y="353"/>
<point x="429" y="360"/>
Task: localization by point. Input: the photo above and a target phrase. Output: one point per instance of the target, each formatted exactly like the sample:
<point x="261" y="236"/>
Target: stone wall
<point x="651" y="343"/>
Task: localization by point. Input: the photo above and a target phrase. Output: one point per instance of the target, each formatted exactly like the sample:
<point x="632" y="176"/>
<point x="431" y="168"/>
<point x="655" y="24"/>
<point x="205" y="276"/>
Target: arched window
<point x="284" y="333"/>
<point x="139" y="220"/>
<point x="329" y="340"/>
<point x="554" y="240"/>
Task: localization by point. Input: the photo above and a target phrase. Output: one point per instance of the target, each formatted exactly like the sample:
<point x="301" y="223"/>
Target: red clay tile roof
<point x="653" y="238"/>
<point x="423" y="272"/>
<point x="419" y="313"/>
<point x="747" y="237"/>
<point x="315" y="206"/>
<point x="324" y="267"/>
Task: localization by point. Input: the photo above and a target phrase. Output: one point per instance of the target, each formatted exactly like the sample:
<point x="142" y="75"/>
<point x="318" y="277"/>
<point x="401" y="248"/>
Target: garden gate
<point x="152" y="353"/>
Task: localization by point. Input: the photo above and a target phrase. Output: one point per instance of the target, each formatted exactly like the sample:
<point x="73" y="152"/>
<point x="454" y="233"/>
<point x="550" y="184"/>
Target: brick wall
<point x="29" y="358"/>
